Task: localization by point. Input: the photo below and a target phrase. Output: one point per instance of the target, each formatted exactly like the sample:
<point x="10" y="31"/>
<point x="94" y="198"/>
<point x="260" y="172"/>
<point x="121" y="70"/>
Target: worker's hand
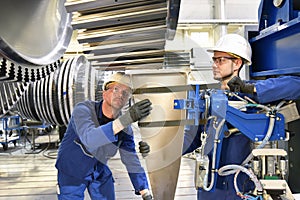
<point x="136" y="112"/>
<point x="140" y="110"/>
<point x="144" y="148"/>
<point x="147" y="196"/>
<point x="237" y="85"/>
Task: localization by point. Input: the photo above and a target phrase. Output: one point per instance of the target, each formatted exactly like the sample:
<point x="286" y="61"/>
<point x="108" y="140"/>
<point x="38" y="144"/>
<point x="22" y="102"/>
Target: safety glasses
<point x="221" y="60"/>
<point x="117" y="90"/>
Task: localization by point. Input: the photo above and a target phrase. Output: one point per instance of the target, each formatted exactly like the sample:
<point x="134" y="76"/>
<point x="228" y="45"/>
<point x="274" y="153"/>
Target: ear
<point x="237" y="64"/>
<point x="104" y="93"/>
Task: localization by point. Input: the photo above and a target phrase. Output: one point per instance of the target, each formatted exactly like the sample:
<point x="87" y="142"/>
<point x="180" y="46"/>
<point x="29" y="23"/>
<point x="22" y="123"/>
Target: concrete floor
<point x="30" y="175"/>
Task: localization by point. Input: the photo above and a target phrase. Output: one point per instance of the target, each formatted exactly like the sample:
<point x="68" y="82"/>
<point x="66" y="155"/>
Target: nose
<point x="213" y="63"/>
<point x="120" y="94"/>
<point x="123" y="93"/>
<point x="214" y="66"/>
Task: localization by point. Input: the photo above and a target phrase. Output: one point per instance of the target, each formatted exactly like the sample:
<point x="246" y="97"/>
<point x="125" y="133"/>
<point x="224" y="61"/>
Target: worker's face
<point x="224" y="65"/>
<point x="116" y="95"/>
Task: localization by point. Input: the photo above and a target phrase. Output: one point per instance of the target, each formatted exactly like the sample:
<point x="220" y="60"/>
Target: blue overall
<point x="82" y="158"/>
<point x="275" y="89"/>
<point x="237" y="147"/>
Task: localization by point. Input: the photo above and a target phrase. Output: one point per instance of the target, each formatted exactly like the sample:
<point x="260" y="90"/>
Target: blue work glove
<point x="237" y="85"/>
<point x="144" y="148"/>
<point x="136" y="112"/>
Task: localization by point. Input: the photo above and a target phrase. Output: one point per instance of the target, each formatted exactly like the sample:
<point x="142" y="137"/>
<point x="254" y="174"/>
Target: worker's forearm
<point x="280" y="88"/>
<point x="117" y="126"/>
<point x="146" y="194"/>
<point x="144" y="191"/>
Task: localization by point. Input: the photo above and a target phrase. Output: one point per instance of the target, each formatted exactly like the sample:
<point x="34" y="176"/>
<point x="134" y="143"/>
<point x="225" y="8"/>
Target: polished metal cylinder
<point x="165" y="141"/>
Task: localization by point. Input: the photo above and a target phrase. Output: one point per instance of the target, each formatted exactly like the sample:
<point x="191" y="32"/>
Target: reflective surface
<point x="163" y="161"/>
<point x="34" y="32"/>
<point x="124" y="34"/>
<point x="53" y="98"/>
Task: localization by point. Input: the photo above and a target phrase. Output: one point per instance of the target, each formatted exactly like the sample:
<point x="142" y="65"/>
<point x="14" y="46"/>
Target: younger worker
<point x="231" y="52"/>
<point x="95" y="133"/>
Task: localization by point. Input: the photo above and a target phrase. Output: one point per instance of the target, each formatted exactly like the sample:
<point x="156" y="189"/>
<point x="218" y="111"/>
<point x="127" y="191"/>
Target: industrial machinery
<point x="33" y="38"/>
<point x="124" y="34"/>
<point x="163" y="128"/>
<point x="53" y="98"/>
<point x="266" y="166"/>
<point x="275" y="52"/>
<point x="10" y="129"/>
<point x="127" y="34"/>
<point x="113" y="35"/>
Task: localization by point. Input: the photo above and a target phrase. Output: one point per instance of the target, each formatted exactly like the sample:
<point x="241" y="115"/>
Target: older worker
<point x="95" y="133"/>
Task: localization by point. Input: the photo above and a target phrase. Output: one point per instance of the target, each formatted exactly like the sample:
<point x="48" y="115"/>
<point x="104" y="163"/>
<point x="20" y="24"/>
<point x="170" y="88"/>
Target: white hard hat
<point x="234" y="44"/>
<point x="119" y="78"/>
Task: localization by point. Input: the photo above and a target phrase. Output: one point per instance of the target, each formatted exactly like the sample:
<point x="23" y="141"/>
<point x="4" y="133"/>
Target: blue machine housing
<point x="270" y="15"/>
<point x="275" y="48"/>
<point x="255" y="126"/>
<point x="252" y="125"/>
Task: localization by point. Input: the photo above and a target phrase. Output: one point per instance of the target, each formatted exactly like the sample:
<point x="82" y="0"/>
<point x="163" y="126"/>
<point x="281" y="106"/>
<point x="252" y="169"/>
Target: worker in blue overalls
<point x="95" y="133"/>
<point x="231" y="52"/>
